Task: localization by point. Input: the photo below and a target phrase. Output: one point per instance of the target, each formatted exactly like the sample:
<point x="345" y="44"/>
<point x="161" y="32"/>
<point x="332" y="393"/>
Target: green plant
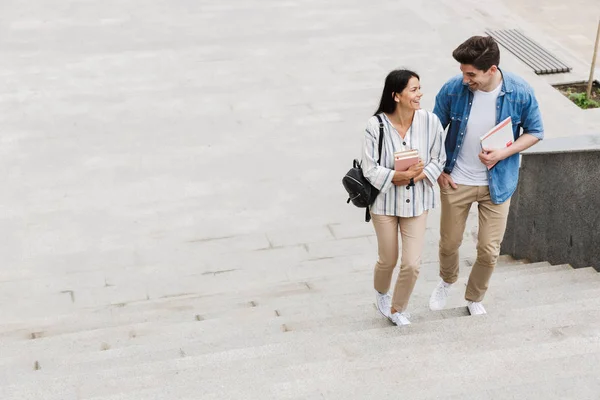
<point x="582" y="100"/>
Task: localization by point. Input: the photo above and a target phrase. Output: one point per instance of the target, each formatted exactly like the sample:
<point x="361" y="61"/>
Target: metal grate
<point x="528" y="51"/>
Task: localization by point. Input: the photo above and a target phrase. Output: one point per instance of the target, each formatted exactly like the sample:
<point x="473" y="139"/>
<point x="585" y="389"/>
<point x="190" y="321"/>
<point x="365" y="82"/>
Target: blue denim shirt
<point x="516" y="99"/>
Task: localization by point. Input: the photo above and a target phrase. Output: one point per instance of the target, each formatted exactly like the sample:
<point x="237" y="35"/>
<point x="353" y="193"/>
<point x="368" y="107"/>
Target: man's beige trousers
<point x="456" y="204"/>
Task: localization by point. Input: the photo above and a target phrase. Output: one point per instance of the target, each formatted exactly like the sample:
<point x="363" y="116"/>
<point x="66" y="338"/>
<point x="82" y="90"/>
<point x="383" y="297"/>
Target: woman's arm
<point x="380" y="177"/>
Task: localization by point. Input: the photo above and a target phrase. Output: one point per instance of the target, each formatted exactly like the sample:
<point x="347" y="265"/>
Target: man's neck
<point x="494" y="82"/>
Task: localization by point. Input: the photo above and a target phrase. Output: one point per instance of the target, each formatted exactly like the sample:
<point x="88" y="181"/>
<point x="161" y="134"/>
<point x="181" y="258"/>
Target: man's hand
<point x="445" y="180"/>
<point x="490" y="157"/>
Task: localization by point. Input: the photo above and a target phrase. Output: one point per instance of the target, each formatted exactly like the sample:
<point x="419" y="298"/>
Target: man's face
<point x="476" y="78"/>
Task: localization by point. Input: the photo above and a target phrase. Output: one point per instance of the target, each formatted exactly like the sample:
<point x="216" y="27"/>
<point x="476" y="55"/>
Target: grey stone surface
<point x="127" y="133"/>
<point x="503" y="344"/>
<point x="173" y="225"/>
<point x="298" y="312"/>
<point x="569" y="144"/>
<point x="555" y="212"/>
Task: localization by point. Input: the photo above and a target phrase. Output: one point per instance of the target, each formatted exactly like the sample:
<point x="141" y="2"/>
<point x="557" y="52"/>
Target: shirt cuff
<point x="387" y="184"/>
<point x="539" y="135"/>
<point x="432" y="173"/>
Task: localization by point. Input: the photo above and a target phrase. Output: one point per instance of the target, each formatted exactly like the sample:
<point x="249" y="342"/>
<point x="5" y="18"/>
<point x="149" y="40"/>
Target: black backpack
<point x="360" y="191"/>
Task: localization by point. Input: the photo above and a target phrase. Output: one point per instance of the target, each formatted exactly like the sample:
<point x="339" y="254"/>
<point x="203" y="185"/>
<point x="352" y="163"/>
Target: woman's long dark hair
<point x="395" y="82"/>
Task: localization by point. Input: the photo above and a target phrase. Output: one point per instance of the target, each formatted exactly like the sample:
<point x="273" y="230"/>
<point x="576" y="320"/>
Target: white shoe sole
<point x="401" y="324"/>
<point x="471" y="313"/>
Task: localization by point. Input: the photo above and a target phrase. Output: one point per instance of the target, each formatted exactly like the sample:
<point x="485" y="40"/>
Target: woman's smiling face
<point x="410" y="97"/>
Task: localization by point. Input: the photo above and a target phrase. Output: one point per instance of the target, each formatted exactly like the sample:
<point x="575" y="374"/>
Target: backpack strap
<point x="367" y="212"/>
<point x="380" y="137"/>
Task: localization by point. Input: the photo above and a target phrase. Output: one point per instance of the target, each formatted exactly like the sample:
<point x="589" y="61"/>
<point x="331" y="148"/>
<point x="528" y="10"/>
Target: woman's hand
<point x="416" y="169"/>
<point x="402" y="178"/>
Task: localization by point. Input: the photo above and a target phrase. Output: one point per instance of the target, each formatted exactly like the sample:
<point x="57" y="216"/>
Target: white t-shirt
<point x="469" y="170"/>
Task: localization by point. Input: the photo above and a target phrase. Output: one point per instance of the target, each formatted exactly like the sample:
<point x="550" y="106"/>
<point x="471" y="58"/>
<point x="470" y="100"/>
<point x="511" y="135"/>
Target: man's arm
<point x="442" y="106"/>
<point x="524" y="142"/>
<point x="491" y="157"/>
<point x="442" y="110"/>
<point x="533" y="132"/>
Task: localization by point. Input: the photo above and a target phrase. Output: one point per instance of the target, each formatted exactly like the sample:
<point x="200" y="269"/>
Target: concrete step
<point x="505" y="259"/>
<point x="307" y="314"/>
<point x="498" y="298"/>
<point x="552" y="279"/>
<point x="70" y="298"/>
<point x="301" y="308"/>
<point x="364" y="360"/>
<point x="352" y="380"/>
<point x="445" y="331"/>
<point x="558" y="386"/>
<point x="183" y="305"/>
<point x="91" y="289"/>
<point x="303" y="313"/>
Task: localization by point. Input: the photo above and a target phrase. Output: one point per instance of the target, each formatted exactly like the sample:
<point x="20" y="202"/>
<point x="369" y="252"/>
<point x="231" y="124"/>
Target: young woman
<point x="405" y="196"/>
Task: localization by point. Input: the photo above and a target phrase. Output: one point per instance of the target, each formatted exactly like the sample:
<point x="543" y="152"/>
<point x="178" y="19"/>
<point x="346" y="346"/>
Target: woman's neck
<point x="402" y="117"/>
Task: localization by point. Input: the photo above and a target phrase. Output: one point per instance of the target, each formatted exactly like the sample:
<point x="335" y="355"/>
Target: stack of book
<point x="404" y="159"/>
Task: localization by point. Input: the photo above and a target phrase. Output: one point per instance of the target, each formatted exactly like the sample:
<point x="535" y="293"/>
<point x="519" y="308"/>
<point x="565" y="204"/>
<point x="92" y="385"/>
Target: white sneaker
<point x="476" y="308"/>
<point x="438" y="298"/>
<point x="384" y="304"/>
<point x="400" y="318"/>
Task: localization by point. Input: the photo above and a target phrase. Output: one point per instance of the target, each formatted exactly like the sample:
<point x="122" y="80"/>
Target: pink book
<point x="403" y="160"/>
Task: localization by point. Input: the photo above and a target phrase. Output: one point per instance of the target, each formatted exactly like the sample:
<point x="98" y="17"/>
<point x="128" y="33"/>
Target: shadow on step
<point x="428" y="315"/>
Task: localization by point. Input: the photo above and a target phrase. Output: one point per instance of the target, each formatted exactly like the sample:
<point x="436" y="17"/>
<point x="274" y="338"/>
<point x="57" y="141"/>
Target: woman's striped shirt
<point x="425" y="135"/>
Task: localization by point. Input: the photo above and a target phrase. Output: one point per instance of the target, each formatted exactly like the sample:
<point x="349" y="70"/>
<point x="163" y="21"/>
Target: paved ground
<point x="572" y="24"/>
<point x="146" y="138"/>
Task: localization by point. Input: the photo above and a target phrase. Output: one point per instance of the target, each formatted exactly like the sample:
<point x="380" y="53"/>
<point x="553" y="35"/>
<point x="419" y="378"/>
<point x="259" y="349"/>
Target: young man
<point x="471" y="105"/>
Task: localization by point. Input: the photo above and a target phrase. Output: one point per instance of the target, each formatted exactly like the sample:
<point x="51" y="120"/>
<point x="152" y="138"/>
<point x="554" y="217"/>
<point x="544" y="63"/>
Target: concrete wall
<point x="555" y="213"/>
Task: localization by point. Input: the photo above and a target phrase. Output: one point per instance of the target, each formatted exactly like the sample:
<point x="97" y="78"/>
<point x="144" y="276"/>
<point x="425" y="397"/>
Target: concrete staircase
<point x="137" y="257"/>
<point x="317" y="335"/>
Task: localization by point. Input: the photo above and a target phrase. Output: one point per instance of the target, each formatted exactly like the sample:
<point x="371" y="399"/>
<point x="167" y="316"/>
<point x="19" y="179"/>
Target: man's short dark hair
<point x="479" y="51"/>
